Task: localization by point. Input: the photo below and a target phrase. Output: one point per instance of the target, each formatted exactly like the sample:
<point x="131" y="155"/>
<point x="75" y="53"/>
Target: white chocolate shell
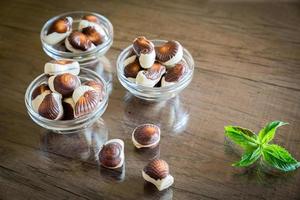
<point x="78" y="42"/>
<point x="146" y="136"/>
<point x="129" y="60"/>
<point x="55" y="67"/>
<point x="169" y="53"/>
<point x="86" y="100"/>
<point x="147" y="60"/>
<point x="51" y="107"/>
<point x="150" y="77"/>
<point x="145" y="50"/>
<point x="64" y="84"/>
<point x="59" y="30"/>
<point x="157" y="173"/>
<point x="165" y="83"/>
<point x="111" y="154"/>
<point x="161" y="184"/>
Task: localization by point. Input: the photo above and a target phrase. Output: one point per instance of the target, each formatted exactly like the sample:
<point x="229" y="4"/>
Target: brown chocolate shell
<point x="79" y="41"/>
<point x="156" y="71"/>
<point x="147" y="134"/>
<point x="175" y="73"/>
<point x="97" y="86"/>
<point x="142" y="45"/>
<point x="132" y="69"/>
<point x="49" y="107"/>
<point x="86" y="103"/>
<point x="61" y="25"/>
<point x="66" y="83"/>
<point x="39" y="90"/>
<point x="110" y="154"/>
<point x="93" y="35"/>
<point x="157" y="169"/>
<point x="68" y="111"/>
<point x="166" y="51"/>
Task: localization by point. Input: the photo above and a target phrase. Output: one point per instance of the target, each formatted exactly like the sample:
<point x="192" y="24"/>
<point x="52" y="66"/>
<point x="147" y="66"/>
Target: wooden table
<point x="247" y="73"/>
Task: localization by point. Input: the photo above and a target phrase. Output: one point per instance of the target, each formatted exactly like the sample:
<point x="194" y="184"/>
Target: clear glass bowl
<point x="81" y="145"/>
<point x="84" y="58"/>
<point x="67" y="126"/>
<point x="155" y="93"/>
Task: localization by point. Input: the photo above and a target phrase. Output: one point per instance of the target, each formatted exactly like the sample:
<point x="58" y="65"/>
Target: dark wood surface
<point x="247" y="73"/>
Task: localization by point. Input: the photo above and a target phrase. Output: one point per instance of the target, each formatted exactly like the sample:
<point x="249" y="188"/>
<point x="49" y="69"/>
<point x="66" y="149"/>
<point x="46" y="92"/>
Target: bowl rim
<point x="98" y="48"/>
<point x="120" y="71"/>
<point x="66" y="125"/>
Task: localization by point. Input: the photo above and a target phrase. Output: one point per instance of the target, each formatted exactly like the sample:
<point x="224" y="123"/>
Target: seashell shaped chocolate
<point x="94" y="23"/>
<point x="64" y="84"/>
<point x="46" y="103"/>
<point x="157" y="173"/>
<point x="145" y="50"/>
<point x="58" y="30"/>
<point x="42" y="89"/>
<point x="93" y="35"/>
<point x="111" y="154"/>
<point x="132" y="69"/>
<point x="38" y="95"/>
<point x="86" y="100"/>
<point x="146" y="136"/>
<point x="99" y="87"/>
<point x="78" y="42"/>
<point x="63" y="97"/>
<point x="169" y="53"/>
<point x="55" y="67"/>
<point x="174" y="74"/>
<point x="151" y="76"/>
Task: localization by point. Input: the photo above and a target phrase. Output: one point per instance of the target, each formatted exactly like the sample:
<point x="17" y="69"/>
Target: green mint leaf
<point x="241" y="136"/>
<point x="248" y="158"/>
<point x="279" y="158"/>
<point x="267" y="133"/>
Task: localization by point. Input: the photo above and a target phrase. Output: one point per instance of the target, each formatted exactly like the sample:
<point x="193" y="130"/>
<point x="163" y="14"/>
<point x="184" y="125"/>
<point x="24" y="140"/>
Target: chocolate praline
<point x="146" y="136"/>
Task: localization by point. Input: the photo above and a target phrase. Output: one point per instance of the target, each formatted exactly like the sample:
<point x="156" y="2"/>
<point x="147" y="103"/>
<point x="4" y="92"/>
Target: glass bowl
<point x="85" y="58"/>
<point x="155" y="93"/>
<point x="67" y="126"/>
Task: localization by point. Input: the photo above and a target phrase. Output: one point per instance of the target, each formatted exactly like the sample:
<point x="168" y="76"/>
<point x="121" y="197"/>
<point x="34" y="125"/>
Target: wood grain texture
<point x="247" y="73"/>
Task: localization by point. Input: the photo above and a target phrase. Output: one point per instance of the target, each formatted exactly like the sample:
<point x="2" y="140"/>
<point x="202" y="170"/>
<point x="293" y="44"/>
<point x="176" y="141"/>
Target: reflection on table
<point x="82" y="144"/>
<point x="171" y="115"/>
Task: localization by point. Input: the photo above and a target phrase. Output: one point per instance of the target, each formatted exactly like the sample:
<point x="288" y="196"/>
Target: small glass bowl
<point x="67" y="126"/>
<point x="85" y="58"/>
<point x="155" y="93"/>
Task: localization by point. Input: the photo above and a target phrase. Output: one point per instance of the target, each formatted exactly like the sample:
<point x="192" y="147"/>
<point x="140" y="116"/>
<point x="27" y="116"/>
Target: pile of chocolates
<point x="155" y="66"/>
<point x="85" y="37"/>
<point x="64" y="97"/>
<point x="145" y="136"/>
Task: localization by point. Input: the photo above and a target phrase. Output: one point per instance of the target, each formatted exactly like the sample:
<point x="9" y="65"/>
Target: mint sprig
<point x="257" y="147"/>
